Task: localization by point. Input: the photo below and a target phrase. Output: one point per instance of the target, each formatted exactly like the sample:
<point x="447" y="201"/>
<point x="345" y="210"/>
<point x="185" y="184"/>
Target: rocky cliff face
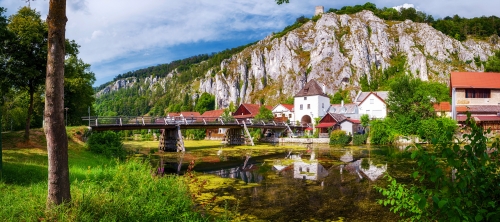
<point x="337" y="50"/>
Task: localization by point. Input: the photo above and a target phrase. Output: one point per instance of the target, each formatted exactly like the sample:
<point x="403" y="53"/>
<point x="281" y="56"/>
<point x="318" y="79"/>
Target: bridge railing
<point x="175" y="120"/>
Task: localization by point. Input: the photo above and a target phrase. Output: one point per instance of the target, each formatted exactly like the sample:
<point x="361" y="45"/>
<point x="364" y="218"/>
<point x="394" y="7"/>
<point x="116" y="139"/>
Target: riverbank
<point x="101" y="189"/>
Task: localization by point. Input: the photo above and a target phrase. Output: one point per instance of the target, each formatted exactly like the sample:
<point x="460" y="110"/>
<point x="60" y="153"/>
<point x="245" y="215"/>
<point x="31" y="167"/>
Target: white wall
<point x="374" y="107"/>
<point x="281" y="110"/>
<point x="318" y="105"/>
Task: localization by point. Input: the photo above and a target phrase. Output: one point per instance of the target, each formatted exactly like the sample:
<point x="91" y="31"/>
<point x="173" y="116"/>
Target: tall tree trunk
<point x="30" y="113"/>
<point x="55" y="131"/>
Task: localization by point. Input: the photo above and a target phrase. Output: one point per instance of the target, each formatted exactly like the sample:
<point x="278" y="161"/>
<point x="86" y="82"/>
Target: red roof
<point x="173" y="114"/>
<point x="442" y="107"/>
<point x="325" y="125"/>
<point x="288" y="106"/>
<point x="188" y="114"/>
<point x="479" y="118"/>
<point x="484" y="80"/>
<point x="213" y="113"/>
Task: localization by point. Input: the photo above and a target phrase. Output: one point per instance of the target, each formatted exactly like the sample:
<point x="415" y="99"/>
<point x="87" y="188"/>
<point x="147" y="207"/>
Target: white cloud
<point x="118" y="35"/>
<point x="405" y="6"/>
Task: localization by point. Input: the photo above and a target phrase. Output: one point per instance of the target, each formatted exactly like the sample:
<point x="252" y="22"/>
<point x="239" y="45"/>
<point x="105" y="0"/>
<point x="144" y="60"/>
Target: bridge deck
<point x="134" y="123"/>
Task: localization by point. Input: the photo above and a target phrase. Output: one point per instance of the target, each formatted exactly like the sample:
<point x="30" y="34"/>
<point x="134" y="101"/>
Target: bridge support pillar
<point x="171" y="140"/>
<point x="235" y="137"/>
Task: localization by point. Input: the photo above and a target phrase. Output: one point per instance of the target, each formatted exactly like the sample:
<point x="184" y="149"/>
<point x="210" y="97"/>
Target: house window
<point x="477" y="93"/>
<point x="308" y="106"/>
<point x="301" y="108"/>
<point x="323" y="105"/>
<point x="305" y="98"/>
<point x="290" y="116"/>
<point x="372" y="101"/>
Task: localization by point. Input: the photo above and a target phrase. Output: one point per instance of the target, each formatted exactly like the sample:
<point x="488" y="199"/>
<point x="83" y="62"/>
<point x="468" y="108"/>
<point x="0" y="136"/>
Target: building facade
<point x="310" y="102"/>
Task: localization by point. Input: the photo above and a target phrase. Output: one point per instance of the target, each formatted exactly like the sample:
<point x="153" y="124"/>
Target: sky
<point x="118" y="36"/>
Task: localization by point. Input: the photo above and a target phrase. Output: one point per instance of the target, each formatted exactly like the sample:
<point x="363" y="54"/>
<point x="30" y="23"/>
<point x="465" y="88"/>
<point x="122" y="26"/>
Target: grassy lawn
<point x="101" y="189"/>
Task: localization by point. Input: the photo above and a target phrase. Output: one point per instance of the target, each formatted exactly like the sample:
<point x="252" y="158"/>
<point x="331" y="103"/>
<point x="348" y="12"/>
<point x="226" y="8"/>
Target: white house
<point x="350" y="126"/>
<point x="311" y="102"/>
<point x="348" y="110"/>
<point x="372" y="103"/>
<point x="284" y="111"/>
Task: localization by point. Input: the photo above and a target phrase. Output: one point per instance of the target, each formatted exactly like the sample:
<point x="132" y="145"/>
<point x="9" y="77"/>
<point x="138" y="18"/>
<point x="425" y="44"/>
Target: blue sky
<point x="117" y="36"/>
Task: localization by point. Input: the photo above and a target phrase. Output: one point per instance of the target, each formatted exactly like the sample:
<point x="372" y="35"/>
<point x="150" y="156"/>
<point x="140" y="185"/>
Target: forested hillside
<point x="356" y="58"/>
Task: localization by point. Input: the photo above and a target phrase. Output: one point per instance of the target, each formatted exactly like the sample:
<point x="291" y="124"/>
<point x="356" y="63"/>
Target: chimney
<point x="342" y="103"/>
<point x="324" y="88"/>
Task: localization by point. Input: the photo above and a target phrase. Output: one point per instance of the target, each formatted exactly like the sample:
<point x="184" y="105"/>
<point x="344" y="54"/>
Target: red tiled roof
<point x="173" y="114"/>
<point x="188" y="114"/>
<point x="288" y="106"/>
<point x="325" y="125"/>
<point x="442" y="107"/>
<point x="353" y="120"/>
<point x="494" y="109"/>
<point x="485" y="80"/>
<point x="252" y="108"/>
<point x="213" y="113"/>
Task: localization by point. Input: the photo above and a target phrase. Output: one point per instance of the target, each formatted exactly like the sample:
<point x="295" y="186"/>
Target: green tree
<point x="493" y="63"/>
<point x="78" y="91"/>
<point x="411" y="100"/>
<point x="339" y="96"/>
<point x="365" y="120"/>
<point x="5" y="36"/>
<point x="205" y="102"/>
<point x="27" y="55"/>
<point x="264" y="114"/>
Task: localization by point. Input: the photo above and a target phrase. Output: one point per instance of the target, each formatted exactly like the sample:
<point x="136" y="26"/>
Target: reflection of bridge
<point x="171" y="138"/>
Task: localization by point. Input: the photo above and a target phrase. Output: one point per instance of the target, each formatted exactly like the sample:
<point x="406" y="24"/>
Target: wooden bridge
<point x="171" y="138"/>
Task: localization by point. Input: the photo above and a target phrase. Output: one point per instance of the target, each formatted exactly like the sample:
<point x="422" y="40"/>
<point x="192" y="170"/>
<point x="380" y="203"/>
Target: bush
<point x="196" y="134"/>
<point x="436" y="128"/>
<point x="382" y="132"/>
<point x="359" y="139"/>
<point x="339" y="137"/>
<point x="453" y="182"/>
<point x="107" y="143"/>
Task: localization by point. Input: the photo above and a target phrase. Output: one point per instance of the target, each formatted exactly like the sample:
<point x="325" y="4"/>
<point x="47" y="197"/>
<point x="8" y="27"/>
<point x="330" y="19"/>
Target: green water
<point x="308" y="183"/>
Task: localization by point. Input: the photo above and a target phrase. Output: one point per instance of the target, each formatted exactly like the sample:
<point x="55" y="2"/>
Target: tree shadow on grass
<point x="23" y="174"/>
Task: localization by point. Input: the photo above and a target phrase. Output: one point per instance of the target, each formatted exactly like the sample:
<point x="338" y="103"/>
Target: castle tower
<point x="319" y="10"/>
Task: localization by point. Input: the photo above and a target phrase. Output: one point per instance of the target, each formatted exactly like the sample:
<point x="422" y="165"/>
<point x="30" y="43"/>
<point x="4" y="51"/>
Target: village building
<point x="351" y="126"/>
<point x="247" y="111"/>
<point x="372" y="103"/>
<point x="284" y="113"/>
<point x="442" y="109"/>
<point x="310" y="102"/>
<point x="479" y="94"/>
<point x="212" y="116"/>
<point x="349" y="110"/>
<point x="329" y="122"/>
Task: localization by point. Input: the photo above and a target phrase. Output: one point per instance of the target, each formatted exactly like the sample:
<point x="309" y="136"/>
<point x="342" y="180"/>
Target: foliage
<point x="196" y="134"/>
<point x="493" y="63"/>
<point x="399" y="197"/>
<point x="456" y="27"/>
<point x="339" y="137"/>
<point x="106" y="143"/>
<point x="264" y="115"/>
<point x="411" y="100"/>
<point x="453" y="182"/>
<point x="339" y="96"/>
<point x="359" y="139"/>
<point x="382" y="79"/>
<point x="227" y="116"/>
<point x="365" y="120"/>
<point x="205" y="102"/>
<point x="78" y="91"/>
<point x="436" y="128"/>
<point x="298" y="23"/>
<point x="382" y="132"/>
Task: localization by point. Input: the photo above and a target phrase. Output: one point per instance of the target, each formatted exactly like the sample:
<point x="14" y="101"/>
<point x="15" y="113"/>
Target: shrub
<point x="382" y="132"/>
<point x="359" y="139"/>
<point x="436" y="128"/>
<point x="453" y="182"/>
<point x="339" y="137"/>
<point x="107" y="143"/>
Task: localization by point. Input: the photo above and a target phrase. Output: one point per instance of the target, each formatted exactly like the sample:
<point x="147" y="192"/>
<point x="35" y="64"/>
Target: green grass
<point x="101" y="189"/>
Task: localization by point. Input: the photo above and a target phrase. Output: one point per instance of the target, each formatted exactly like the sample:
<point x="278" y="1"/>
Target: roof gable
<point x="485" y="80"/>
<point x="247" y="109"/>
<point x="288" y="107"/>
<point x="213" y="113"/>
<point x="311" y="88"/>
<point x="381" y="95"/>
<point x="333" y="116"/>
